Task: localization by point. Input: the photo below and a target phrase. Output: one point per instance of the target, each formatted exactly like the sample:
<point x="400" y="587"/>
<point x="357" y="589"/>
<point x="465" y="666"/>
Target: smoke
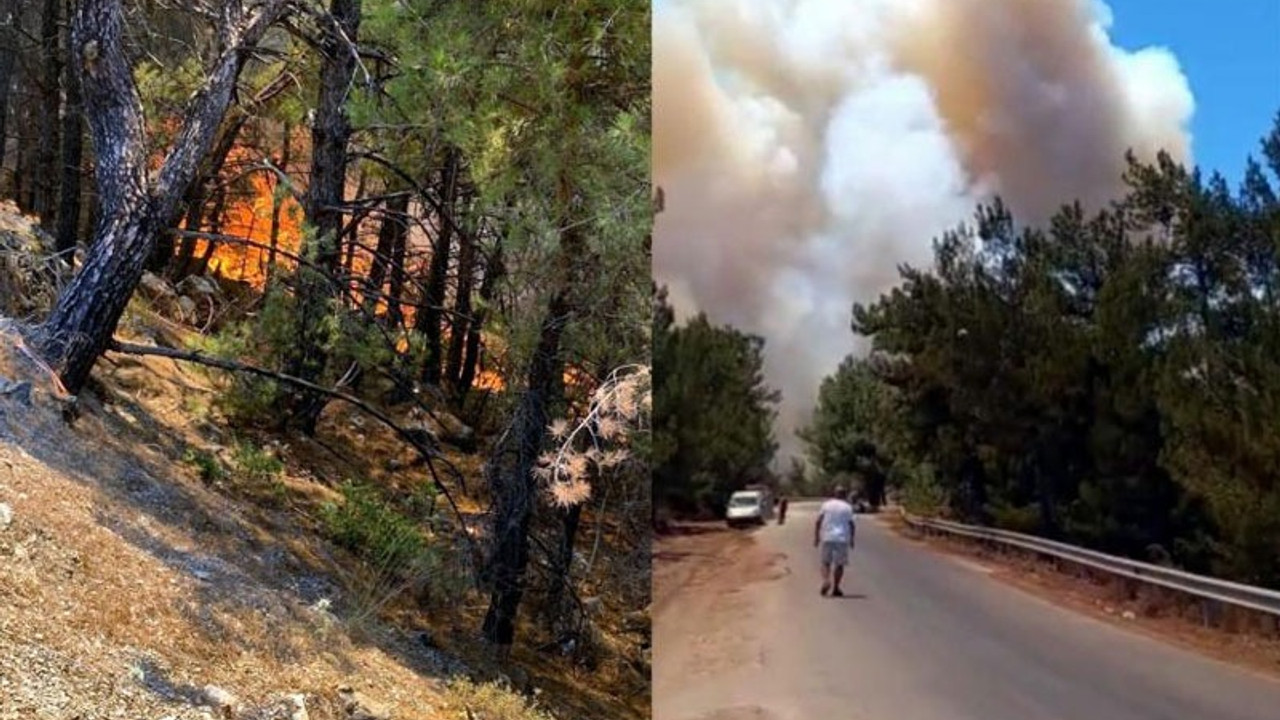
<point x="807" y="148"/>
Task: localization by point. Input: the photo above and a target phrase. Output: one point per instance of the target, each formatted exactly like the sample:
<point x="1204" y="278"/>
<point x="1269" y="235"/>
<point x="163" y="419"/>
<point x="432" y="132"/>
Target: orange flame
<point x="248" y="215"/>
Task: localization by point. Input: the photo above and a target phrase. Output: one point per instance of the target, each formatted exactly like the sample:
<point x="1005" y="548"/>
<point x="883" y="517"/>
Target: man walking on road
<point x="833" y="534"/>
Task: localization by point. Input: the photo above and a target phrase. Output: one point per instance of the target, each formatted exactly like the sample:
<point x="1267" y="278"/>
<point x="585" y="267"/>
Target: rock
<point x="187" y="307"/>
<point x="20" y="391"/>
<point x="155" y="287"/>
<point x="6" y="516"/>
<point x="1128" y="615"/>
<point x="296" y="706"/>
<point x="197" y="286"/>
<point x="221" y="700"/>
<point x="456" y="433"/>
<point x="358" y="707"/>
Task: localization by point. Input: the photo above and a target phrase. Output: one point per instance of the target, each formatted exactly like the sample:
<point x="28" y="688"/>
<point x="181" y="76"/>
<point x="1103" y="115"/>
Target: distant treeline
<point x="713" y="413"/>
<point x="1111" y="378"/>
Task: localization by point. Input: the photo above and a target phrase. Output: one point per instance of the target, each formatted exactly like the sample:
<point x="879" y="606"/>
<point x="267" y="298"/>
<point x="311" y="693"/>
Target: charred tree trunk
<point x="471" y="358"/>
<point x="133" y="213"/>
<point x="512" y="483"/>
<point x="391" y="235"/>
<point x="562" y="565"/>
<point x="72" y="155"/>
<point x="46" y="180"/>
<point x="462" y="320"/>
<point x="24" y="177"/>
<point x="514" y="488"/>
<point x="8" y="65"/>
<point x="215" y="218"/>
<point x="352" y="238"/>
<point x="330" y="133"/>
<point x="277" y="200"/>
<point x="431" y="316"/>
<point x="179" y="265"/>
<point x="395" y="288"/>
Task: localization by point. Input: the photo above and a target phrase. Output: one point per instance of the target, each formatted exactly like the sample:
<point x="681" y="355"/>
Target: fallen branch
<point x="417" y="439"/>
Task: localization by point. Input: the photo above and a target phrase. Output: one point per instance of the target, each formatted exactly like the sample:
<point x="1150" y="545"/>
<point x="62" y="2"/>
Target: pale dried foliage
<point x="600" y="441"/>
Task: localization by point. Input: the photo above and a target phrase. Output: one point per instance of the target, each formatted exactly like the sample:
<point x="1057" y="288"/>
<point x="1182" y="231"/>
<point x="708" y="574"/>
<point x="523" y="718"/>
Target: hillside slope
<point x="138" y="582"/>
<point x="127" y="588"/>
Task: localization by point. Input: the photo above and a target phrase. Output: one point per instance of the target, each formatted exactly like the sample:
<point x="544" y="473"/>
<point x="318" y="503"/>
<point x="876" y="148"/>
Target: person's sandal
<point x="826" y="587"/>
<point x="837" y="593"/>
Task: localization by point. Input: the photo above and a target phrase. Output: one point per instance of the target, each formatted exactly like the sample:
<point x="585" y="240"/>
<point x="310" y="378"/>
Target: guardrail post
<point x="1210" y="612"/>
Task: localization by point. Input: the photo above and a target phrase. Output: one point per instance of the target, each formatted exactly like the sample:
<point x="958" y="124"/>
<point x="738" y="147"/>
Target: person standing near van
<point x="782" y="510"/>
<point x="833" y="535"/>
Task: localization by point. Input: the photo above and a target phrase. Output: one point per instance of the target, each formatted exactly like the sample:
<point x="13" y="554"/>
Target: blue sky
<point x="1230" y="52"/>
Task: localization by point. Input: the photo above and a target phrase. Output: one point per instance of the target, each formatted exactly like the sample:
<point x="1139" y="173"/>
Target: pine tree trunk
<point x="471" y="359"/>
<point x="390" y="234"/>
<point x="330" y="134"/>
<point x="461" y="322"/>
<point x="46" y="180"/>
<point x="72" y="155"/>
<point x="277" y="200"/>
<point x="431" y="316"/>
<point x="80" y="327"/>
<point x="8" y="66"/>
<point x="395" y="290"/>
<point x="570" y="521"/>
<point x="514" y="488"/>
<point x="512" y="483"/>
<point x="179" y="265"/>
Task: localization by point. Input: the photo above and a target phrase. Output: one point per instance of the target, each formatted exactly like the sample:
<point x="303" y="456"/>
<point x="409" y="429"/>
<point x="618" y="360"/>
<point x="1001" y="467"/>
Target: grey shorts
<point x="835" y="553"/>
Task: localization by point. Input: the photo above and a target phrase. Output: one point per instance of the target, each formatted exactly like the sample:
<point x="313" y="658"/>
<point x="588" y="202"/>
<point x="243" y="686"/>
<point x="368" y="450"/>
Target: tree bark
<point x="133" y="211"/>
<point x="46" y="180"/>
<point x="471" y="359"/>
<point x="461" y="321"/>
<point x="322" y="205"/>
<point x="8" y="65"/>
<point x="512" y="483"/>
<point x="395" y="288"/>
<point x="277" y="199"/>
<point x="197" y="194"/>
<point x="72" y="154"/>
<point x="390" y="234"/>
<point x="431" y="316"/>
<point x="562" y="565"/>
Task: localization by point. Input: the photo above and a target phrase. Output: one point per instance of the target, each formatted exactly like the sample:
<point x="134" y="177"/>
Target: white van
<point x="748" y="507"/>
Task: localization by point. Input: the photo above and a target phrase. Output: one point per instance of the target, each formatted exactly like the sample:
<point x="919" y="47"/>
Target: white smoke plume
<point x="806" y="148"/>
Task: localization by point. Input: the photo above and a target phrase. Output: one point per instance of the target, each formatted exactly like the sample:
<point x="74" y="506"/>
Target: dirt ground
<point x="705" y="628"/>
<point x="1243" y="641"/>
<point x="707" y="555"/>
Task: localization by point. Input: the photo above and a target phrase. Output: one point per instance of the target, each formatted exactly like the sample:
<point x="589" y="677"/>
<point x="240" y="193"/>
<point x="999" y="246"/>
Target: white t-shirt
<point x="837" y="516"/>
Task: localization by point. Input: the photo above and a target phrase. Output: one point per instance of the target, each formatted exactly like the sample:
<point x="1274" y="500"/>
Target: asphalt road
<point x="921" y="636"/>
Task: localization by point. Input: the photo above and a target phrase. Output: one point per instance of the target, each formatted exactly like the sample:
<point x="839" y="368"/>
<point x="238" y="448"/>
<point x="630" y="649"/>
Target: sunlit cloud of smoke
<point x="807" y="148"/>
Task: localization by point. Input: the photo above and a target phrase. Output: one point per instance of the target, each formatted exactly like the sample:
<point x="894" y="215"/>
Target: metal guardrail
<point x="1207" y="588"/>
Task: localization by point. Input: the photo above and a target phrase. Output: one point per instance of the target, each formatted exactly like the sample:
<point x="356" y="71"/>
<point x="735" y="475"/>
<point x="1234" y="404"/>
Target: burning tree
<point x="135" y="207"/>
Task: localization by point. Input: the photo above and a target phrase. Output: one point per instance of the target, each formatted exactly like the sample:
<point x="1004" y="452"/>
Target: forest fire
<point x="258" y="219"/>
